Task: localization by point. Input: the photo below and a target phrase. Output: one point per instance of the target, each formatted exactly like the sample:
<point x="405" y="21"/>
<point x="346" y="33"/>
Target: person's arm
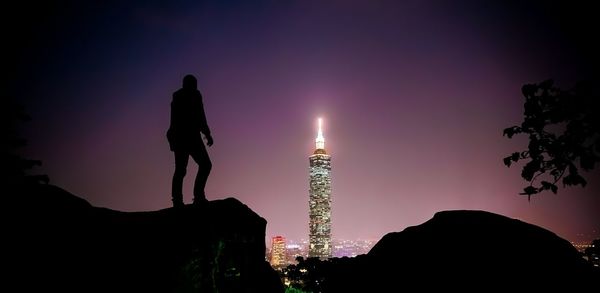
<point x="172" y="115"/>
<point x="204" y="125"/>
<point x="170" y="134"/>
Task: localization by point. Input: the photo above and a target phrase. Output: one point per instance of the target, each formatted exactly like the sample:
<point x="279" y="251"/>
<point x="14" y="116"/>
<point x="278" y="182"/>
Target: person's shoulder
<point x="178" y="93"/>
<point x="194" y="94"/>
<point x="180" y="96"/>
<point x="187" y="92"/>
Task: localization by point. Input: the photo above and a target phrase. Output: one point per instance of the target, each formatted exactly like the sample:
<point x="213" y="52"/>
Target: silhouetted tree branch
<point x="14" y="168"/>
<point x="563" y="129"/>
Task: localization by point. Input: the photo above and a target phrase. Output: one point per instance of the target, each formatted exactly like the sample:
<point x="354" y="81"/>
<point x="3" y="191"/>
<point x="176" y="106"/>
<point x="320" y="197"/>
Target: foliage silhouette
<point x="563" y="131"/>
<point x="315" y="275"/>
<point x="14" y="166"/>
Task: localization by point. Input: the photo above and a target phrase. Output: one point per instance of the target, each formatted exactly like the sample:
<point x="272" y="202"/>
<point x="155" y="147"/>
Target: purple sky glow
<point x="414" y="97"/>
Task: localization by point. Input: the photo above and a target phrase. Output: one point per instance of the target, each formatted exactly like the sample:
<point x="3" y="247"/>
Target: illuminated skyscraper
<point x="278" y="252"/>
<point x="320" y="200"/>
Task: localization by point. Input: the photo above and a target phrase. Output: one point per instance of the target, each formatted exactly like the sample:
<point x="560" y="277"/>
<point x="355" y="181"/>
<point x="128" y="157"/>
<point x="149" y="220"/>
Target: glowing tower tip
<point x="320" y="141"/>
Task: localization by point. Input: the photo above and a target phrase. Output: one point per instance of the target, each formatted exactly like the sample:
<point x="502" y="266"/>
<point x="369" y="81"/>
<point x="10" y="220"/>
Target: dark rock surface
<point x="58" y="242"/>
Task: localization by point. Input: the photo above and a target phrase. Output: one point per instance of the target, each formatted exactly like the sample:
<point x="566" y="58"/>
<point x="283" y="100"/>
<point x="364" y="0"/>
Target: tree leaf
<point x="530" y="169"/>
<point x="546" y="184"/>
<point x="529" y="190"/>
<point x="574" y="179"/>
<point x="582" y="181"/>
<point x="546" y="84"/>
<point x="507" y="161"/>
<point x="515" y="156"/>
<point x="528" y="90"/>
<point x="549" y="186"/>
<point x="587" y="162"/>
<point x="511" y="131"/>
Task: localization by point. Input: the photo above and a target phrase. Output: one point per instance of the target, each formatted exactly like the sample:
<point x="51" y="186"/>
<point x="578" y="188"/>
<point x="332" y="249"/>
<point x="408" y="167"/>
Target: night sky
<point x="414" y="96"/>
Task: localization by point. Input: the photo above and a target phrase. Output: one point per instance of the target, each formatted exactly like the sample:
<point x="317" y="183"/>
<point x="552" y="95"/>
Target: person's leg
<point x="181" y="161"/>
<point x="200" y="156"/>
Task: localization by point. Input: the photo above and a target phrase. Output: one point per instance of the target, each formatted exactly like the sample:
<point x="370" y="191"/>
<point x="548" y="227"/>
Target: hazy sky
<point x="414" y="97"/>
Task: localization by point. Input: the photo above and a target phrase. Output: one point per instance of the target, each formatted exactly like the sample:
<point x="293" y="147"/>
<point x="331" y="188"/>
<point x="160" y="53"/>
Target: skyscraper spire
<point x="320" y="141"/>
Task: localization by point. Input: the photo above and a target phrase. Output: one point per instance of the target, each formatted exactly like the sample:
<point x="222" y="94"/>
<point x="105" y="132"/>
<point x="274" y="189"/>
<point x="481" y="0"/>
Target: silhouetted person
<point x="187" y="122"/>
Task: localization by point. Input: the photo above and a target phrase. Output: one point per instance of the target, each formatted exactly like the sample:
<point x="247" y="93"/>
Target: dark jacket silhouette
<point x="188" y="121"/>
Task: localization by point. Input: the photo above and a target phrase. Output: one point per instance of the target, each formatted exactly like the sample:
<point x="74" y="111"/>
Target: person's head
<point x="190" y="82"/>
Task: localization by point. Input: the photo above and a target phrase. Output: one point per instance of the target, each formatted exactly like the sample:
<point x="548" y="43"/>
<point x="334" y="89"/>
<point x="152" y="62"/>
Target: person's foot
<point x="178" y="203"/>
<point x="200" y="201"/>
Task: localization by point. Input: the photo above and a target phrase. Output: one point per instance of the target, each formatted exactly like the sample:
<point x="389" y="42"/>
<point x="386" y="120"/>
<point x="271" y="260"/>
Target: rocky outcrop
<point x="465" y="250"/>
<point x="59" y="243"/>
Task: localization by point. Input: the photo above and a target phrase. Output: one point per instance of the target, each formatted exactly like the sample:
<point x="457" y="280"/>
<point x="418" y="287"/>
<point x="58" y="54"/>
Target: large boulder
<point x="465" y="250"/>
<point x="60" y="243"/>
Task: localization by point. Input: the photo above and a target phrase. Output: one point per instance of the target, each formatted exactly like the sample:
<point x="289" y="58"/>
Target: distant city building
<point x="320" y="200"/>
<point x="339" y="248"/>
<point x="351" y="248"/>
<point x="294" y="250"/>
<point x="592" y="253"/>
<point x="278" y="252"/>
